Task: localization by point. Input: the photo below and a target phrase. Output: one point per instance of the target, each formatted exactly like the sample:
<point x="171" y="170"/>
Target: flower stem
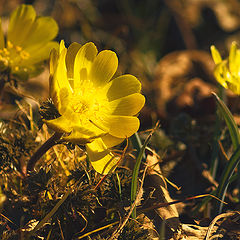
<point x="42" y="150"/>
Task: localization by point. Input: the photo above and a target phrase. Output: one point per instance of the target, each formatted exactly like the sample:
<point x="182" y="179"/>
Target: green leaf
<point x="235" y="158"/>
<point x="232" y="126"/>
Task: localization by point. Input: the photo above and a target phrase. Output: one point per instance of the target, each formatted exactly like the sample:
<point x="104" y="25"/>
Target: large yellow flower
<point x="227" y="72"/>
<point x="95" y="109"/>
<point x="28" y="42"/>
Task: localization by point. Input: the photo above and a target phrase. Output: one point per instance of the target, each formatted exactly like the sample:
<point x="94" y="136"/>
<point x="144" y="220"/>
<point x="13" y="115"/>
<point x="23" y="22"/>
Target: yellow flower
<point x="28" y="42"/>
<point x="95" y="109"/>
<point x="227" y="72"/>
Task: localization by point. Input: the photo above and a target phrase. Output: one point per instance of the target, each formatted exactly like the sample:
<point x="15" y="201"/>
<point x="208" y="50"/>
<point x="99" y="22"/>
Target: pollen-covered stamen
<point x="89" y="103"/>
<point x="81" y="106"/>
<point x="84" y="104"/>
<point x="17" y="51"/>
<point x="13" y="55"/>
<point x="4" y="56"/>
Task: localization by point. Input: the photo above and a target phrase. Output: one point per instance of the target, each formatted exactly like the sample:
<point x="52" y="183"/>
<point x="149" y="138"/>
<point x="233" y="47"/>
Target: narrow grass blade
<point x="232" y="126"/>
<point x="226" y="176"/>
<point x="217" y="133"/>
<point x="137" y="144"/>
<point x="119" y="185"/>
<point x="141" y="153"/>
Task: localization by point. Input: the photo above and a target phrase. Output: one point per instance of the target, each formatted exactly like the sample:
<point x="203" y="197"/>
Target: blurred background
<point x="165" y="43"/>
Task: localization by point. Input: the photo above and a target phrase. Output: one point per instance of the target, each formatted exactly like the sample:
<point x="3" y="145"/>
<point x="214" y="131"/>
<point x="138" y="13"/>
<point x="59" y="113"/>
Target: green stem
<point x="42" y="150"/>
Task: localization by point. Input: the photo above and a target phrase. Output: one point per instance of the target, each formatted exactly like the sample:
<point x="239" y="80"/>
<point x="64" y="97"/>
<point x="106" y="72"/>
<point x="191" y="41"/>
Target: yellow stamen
<point x="13" y="55"/>
<point x="24" y="55"/>
<point x="9" y="44"/>
<point x="18" y="48"/>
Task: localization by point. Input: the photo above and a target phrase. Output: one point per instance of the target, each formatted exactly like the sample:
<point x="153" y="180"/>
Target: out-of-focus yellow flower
<point x="28" y="42"/>
<point x="95" y="109"/>
<point x="227" y="72"/>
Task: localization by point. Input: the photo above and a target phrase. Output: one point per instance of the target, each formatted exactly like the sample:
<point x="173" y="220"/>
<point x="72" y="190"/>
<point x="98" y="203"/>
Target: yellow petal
<point x="83" y="63"/>
<point x="83" y="130"/>
<point x="83" y="135"/>
<point x="39" y="53"/>
<point x="235" y="70"/>
<point x="120" y="126"/>
<point x="61" y="124"/>
<point x="220" y="72"/>
<point x="232" y="52"/>
<point x="53" y="60"/>
<point x="234" y="87"/>
<point x="21" y="21"/>
<point x="111" y="141"/>
<point x="87" y="127"/>
<point x="59" y="82"/>
<point x="43" y="30"/>
<point x="122" y="86"/>
<point x="61" y="46"/>
<point x="127" y="106"/>
<point x="103" y="68"/>
<point x="2" y="43"/>
<point x="232" y="58"/>
<point x="64" y="107"/>
<point x="215" y="55"/>
<point x="101" y="158"/>
<point x="53" y="86"/>
<point x="70" y="58"/>
<point x="61" y="72"/>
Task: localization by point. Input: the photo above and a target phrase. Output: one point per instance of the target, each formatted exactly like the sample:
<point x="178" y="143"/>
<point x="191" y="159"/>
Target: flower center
<point x="88" y="102"/>
<point x="85" y="102"/>
<point x="13" y="55"/>
<point x="81" y="106"/>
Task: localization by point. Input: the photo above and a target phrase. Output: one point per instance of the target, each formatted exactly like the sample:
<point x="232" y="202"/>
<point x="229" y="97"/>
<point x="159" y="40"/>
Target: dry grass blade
<point x="97" y="230"/>
<point x="166" y="204"/>
<point x="223" y="215"/>
<point x="60" y="228"/>
<point x="7" y="219"/>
